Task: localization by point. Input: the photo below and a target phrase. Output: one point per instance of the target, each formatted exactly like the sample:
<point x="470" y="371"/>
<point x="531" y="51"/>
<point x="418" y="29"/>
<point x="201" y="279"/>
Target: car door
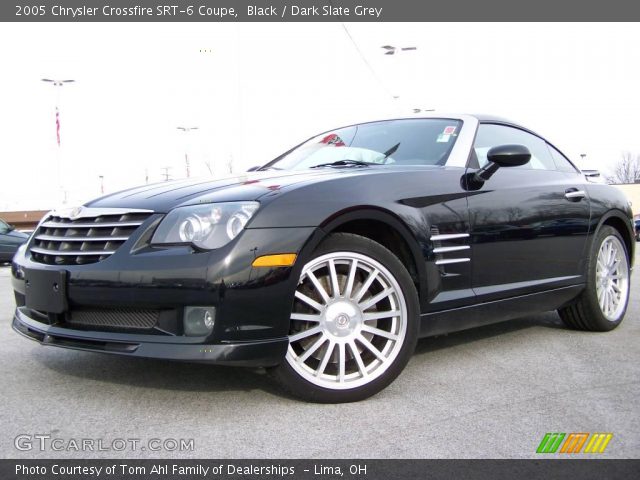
<point x="529" y="224"/>
<point x="6" y="242"/>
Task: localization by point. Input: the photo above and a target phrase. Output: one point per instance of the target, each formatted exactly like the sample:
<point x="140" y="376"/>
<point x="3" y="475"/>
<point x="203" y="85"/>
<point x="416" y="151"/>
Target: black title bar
<point x="316" y="10"/>
<point x="116" y="469"/>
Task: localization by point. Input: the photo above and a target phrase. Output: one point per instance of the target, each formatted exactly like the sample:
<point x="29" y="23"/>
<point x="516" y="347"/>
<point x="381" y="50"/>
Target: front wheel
<point x="354" y="322"/>
<point x="603" y="303"/>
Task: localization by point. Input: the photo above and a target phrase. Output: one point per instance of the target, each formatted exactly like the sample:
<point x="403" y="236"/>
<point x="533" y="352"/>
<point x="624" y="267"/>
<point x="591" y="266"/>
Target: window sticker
<point x="449" y="130"/>
<point x="333" y="139"/>
<point x="443" y="138"/>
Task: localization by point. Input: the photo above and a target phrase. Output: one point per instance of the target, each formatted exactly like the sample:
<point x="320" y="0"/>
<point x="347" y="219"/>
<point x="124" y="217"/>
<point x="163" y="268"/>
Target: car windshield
<point x="392" y="142"/>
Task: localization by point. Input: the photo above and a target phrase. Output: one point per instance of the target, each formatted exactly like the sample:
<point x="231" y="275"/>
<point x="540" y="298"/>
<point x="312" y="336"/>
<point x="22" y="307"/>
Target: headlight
<point x="205" y="226"/>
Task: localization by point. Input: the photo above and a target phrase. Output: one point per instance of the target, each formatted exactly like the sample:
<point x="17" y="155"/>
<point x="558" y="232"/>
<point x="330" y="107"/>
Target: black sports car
<point x="328" y="263"/>
<point x="10" y="240"/>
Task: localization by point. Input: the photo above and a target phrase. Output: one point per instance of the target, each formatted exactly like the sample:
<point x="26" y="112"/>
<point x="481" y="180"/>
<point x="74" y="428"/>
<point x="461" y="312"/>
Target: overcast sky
<point x="255" y="89"/>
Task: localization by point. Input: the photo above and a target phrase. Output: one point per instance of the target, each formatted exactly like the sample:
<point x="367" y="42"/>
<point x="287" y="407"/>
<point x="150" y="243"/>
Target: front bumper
<point x="263" y="353"/>
<point x="252" y="305"/>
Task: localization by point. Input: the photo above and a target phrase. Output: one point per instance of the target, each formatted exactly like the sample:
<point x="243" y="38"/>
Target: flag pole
<point x="57" y="85"/>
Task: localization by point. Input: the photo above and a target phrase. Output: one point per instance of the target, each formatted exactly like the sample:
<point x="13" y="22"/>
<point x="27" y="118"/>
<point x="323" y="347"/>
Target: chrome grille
<point x="86" y="235"/>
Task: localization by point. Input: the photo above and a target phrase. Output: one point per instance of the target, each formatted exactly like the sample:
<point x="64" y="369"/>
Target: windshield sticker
<point x="333" y="139"/>
<point x="443" y="138"/>
<point x="449" y="130"/>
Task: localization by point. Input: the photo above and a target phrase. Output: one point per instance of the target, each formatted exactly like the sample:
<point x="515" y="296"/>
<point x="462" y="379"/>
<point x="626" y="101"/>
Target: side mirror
<point x="509" y="155"/>
<point x="500" y="156"/>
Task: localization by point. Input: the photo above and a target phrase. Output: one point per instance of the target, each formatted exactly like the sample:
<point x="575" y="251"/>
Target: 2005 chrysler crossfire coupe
<point x="328" y="263"/>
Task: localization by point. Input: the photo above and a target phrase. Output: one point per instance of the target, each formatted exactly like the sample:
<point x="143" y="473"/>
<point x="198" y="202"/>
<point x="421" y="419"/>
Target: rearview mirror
<point x="509" y="155"/>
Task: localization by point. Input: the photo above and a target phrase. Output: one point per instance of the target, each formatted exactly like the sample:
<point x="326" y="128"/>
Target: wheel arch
<point x="382" y="227"/>
<point x="618" y="220"/>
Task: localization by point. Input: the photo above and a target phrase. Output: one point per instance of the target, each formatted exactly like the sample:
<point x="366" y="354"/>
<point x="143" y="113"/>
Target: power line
<point x="366" y="62"/>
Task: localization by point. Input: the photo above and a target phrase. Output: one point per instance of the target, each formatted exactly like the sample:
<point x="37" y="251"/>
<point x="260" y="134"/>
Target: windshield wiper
<point x="344" y="163"/>
<point x="390" y="152"/>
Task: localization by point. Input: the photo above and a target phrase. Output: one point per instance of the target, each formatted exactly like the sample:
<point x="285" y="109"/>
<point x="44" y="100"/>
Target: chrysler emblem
<point x="75" y="213"/>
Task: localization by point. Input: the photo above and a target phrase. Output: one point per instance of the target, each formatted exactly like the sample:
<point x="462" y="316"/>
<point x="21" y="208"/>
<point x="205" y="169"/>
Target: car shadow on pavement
<point x="545" y="320"/>
<point x="198" y="377"/>
<point x="156" y="374"/>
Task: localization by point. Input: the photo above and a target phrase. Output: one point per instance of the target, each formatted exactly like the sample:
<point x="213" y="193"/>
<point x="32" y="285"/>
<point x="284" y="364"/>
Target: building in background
<point x="25" y="220"/>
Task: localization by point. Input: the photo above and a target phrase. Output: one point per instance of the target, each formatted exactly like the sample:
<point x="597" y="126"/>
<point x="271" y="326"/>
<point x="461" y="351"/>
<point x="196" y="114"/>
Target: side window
<point x="4" y="228"/>
<point x="491" y="135"/>
<point x="562" y="163"/>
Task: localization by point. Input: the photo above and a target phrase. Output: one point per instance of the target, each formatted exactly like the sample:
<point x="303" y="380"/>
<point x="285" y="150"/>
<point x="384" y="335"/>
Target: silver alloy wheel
<point x="612" y="278"/>
<point x="349" y="321"/>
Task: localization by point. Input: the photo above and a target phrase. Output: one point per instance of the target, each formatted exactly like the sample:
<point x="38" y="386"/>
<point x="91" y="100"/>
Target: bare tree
<point x="627" y="170"/>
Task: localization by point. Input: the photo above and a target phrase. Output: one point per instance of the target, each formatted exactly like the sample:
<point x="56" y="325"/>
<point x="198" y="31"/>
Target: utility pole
<point x="58" y="84"/>
<point x="186" y="155"/>
<point x="166" y="173"/>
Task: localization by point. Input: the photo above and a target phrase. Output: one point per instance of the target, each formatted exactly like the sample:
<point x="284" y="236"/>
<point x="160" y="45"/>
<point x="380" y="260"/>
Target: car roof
<point x="482" y="118"/>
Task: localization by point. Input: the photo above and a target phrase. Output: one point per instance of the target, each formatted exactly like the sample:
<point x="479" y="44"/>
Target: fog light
<point x="199" y="321"/>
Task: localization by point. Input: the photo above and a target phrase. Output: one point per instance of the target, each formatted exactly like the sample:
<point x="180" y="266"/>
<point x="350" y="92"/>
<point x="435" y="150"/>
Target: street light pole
<point x="186" y="156"/>
<point x="57" y="85"/>
<point x="391" y="50"/>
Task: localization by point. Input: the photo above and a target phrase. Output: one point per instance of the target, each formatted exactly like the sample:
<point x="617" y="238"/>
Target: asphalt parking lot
<point x="489" y="392"/>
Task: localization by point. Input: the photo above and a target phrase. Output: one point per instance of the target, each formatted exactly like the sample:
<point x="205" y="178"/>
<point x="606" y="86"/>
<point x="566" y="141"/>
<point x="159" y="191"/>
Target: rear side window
<point x="562" y="163"/>
<point x="491" y="135"/>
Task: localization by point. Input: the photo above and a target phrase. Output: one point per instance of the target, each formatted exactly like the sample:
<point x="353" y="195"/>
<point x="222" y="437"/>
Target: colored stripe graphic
<point x="550" y="443"/>
<point x="598" y="442"/>
<point x="574" y="443"/>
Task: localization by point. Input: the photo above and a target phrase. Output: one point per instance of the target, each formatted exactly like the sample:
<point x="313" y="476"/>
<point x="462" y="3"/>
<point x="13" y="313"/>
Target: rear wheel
<point x="354" y="322"/>
<point x="603" y="303"/>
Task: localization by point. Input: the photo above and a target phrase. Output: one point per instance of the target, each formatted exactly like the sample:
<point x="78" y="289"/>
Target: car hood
<point x="162" y="197"/>
<point x="17" y="234"/>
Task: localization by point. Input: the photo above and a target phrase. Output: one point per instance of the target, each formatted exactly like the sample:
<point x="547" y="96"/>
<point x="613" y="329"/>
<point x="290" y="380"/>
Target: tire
<point x="348" y="357"/>
<point x="603" y="303"/>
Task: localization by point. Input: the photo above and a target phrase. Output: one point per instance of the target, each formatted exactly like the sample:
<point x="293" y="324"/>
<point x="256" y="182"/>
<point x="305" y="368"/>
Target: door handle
<point x="574" y="195"/>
